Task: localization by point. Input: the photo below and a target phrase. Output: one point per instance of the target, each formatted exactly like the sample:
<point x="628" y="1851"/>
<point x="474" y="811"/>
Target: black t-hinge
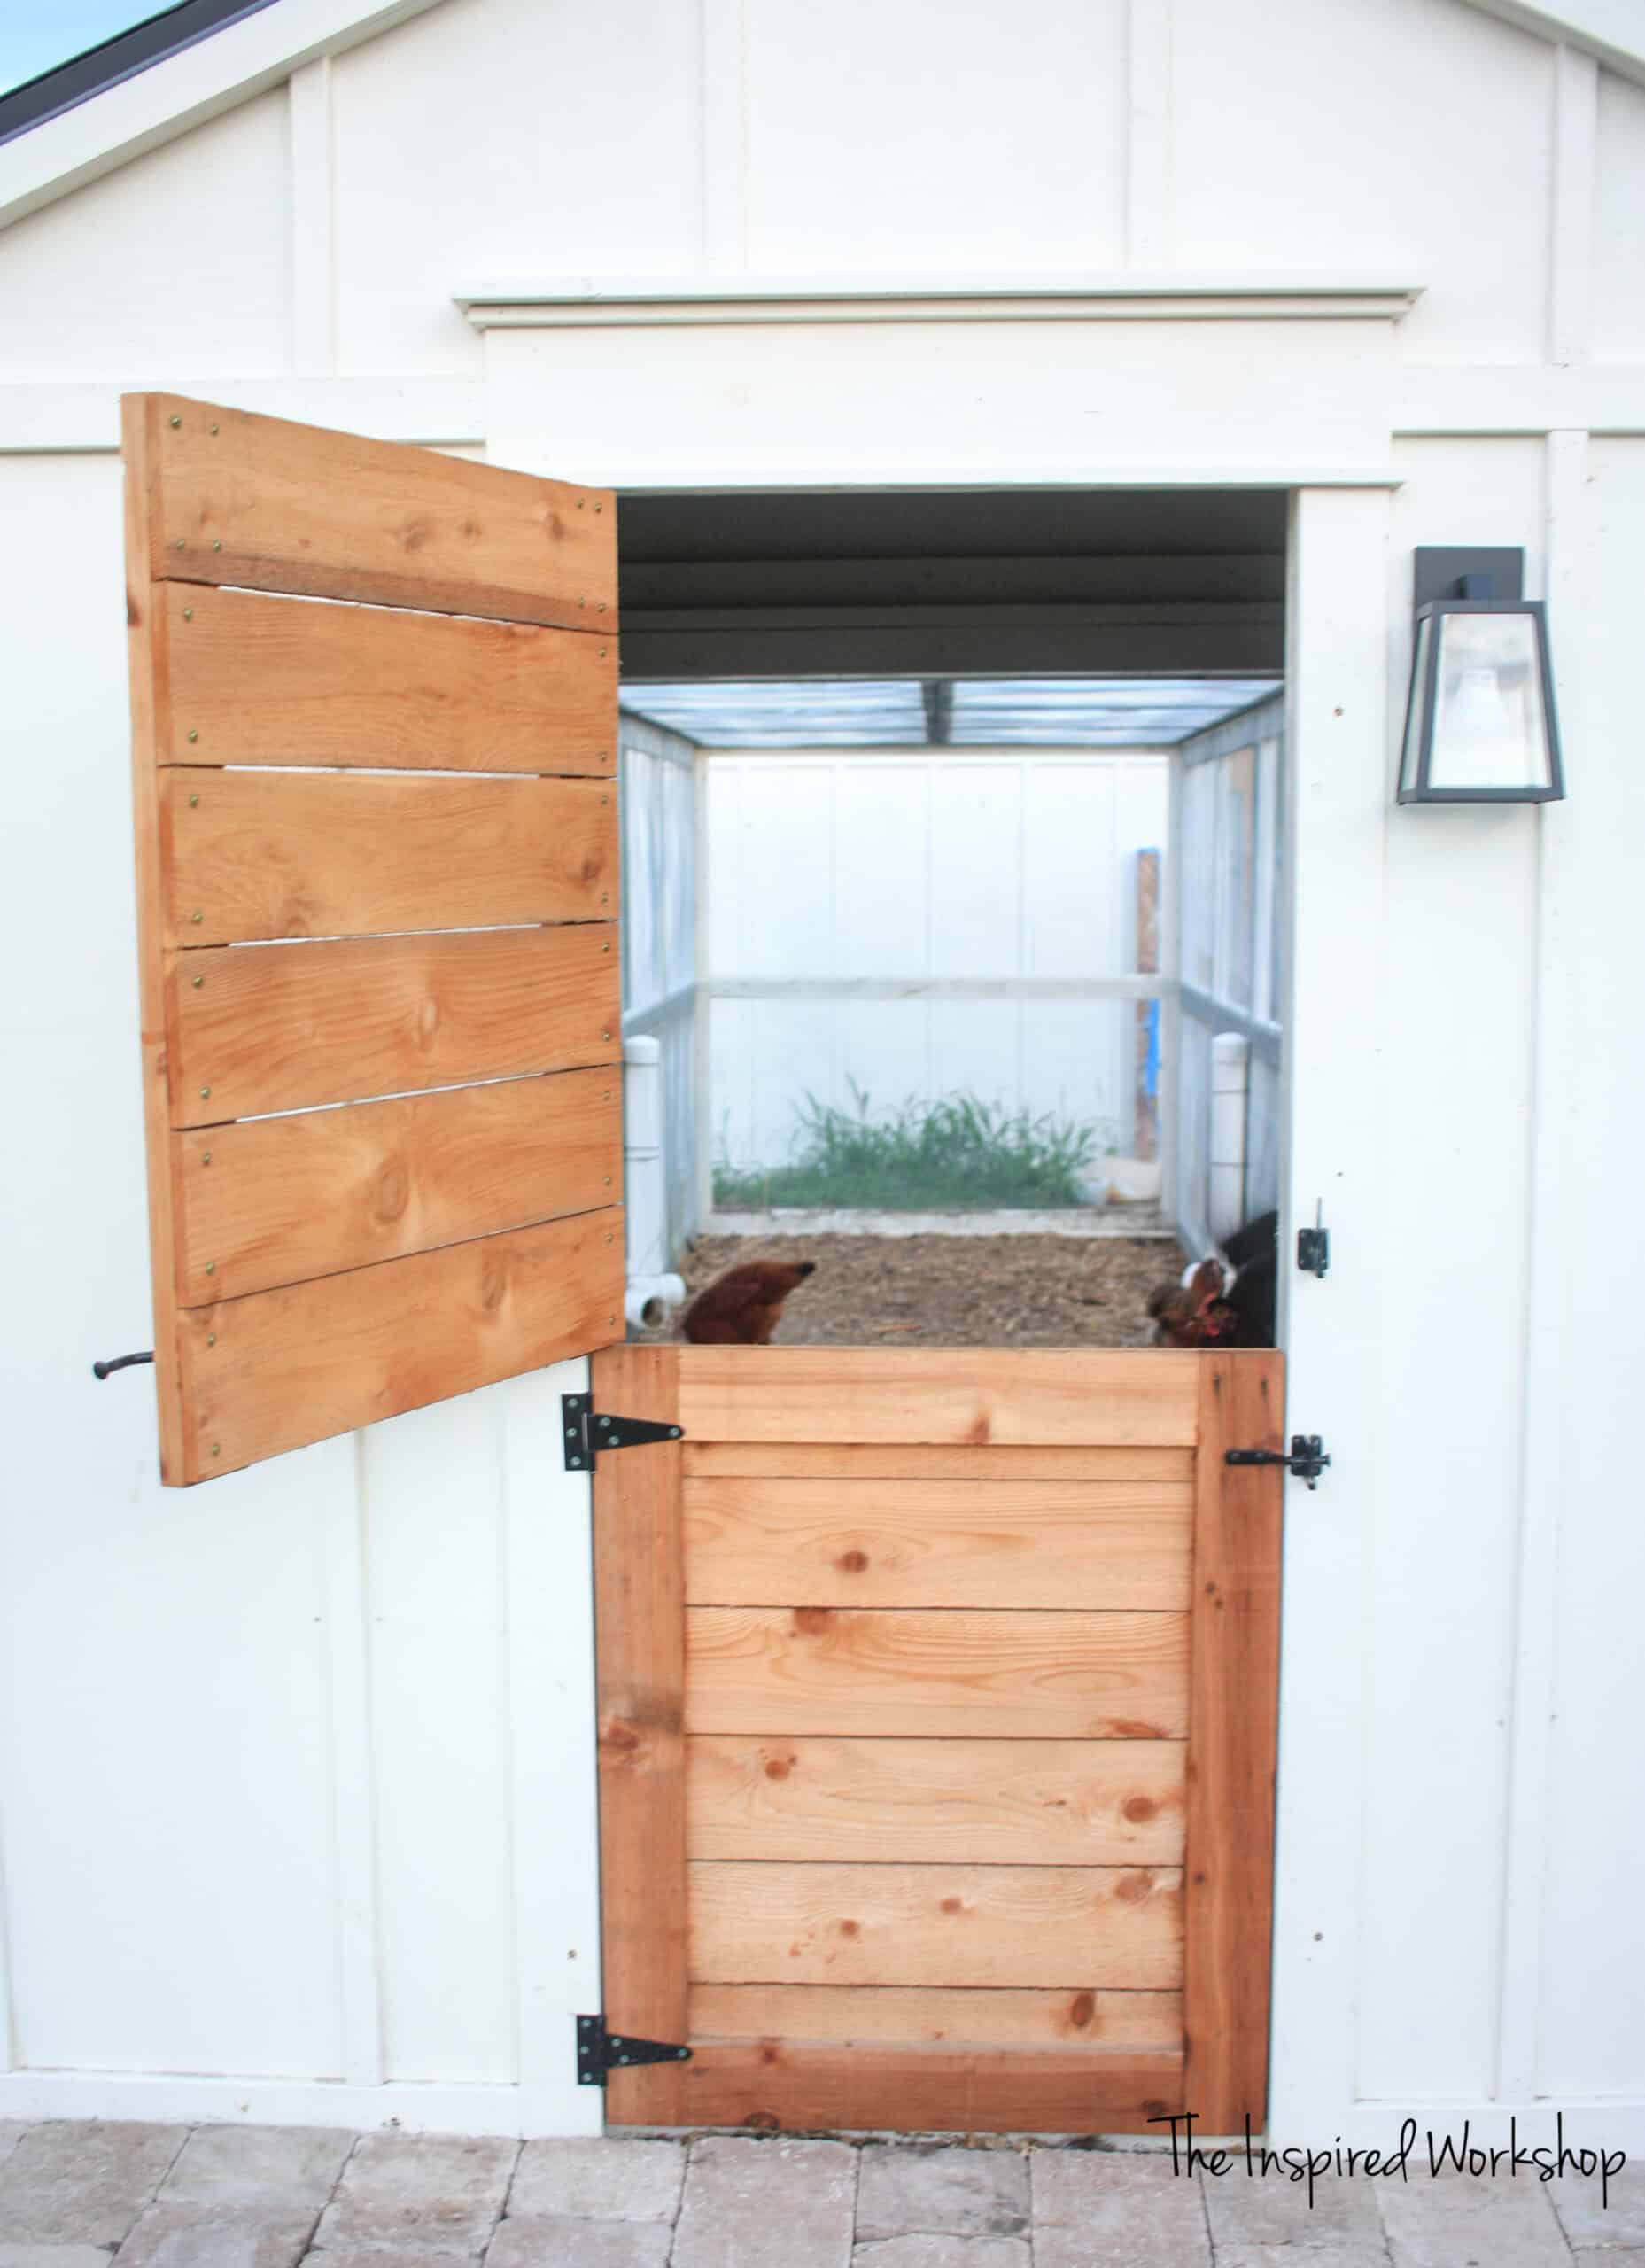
<point x="599" y="2050"/>
<point x="587" y="1434"/>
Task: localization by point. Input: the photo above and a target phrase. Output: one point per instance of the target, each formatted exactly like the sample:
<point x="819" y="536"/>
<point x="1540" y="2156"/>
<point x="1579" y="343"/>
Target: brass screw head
<point x="608" y="1236"/>
<point x="217" y="546"/>
<point x="608" y="1184"/>
<point x="580" y="502"/>
<point x="211" y="1267"/>
<point x="605" y="898"/>
<point x="604" y="949"/>
<point x="204" y="1092"/>
<point x="599" y="508"/>
<point x="603" y="606"/>
<point x="176" y="421"/>
<point x="206" y="1157"/>
<point x="214" y="429"/>
<point x="193" y="801"/>
<point x="197" y="982"/>
<point x="194" y="732"/>
<point x="181" y="544"/>
<point x="216" y="1449"/>
<point x="197" y="917"/>
<point x="602" y="653"/>
<point x="211" y="1337"/>
<point x="188" y="614"/>
<point x="582" y="601"/>
<point x="611" y="1319"/>
<point x="604" y="1034"/>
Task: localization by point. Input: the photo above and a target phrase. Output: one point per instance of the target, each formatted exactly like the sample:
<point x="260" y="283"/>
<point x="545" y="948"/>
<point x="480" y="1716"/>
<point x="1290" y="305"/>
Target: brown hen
<point x="741" y="1308"/>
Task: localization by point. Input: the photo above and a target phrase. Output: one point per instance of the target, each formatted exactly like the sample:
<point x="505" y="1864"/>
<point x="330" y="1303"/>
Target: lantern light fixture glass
<point x="1479" y="723"/>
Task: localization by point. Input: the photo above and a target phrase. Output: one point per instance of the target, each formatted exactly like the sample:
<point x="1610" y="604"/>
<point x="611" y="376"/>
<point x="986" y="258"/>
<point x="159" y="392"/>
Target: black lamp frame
<point x="1458" y="581"/>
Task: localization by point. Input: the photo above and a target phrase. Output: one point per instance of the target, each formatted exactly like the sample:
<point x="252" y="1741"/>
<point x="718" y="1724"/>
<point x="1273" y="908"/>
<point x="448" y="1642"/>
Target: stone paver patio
<point x="82" y="2195"/>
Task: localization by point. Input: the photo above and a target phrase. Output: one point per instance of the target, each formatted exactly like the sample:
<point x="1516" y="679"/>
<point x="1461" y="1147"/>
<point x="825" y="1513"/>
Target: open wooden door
<point x="374" y="734"/>
<point x="937" y="1711"/>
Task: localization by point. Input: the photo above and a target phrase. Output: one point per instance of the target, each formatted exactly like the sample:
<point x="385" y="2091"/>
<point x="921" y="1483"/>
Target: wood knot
<point x="777" y="1767"/>
<point x="1081" y="2008"/>
<point x="813" y="1621"/>
<point x="392" y="1191"/>
<point x="1132" y="1887"/>
<point x="852" y="1563"/>
<point x="1140" y="1807"/>
<point x="953" y="1906"/>
<point x="850" y="1928"/>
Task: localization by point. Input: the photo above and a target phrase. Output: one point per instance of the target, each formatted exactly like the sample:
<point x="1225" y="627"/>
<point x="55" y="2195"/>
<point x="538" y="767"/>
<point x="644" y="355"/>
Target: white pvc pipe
<point x="650" y="1300"/>
<point x="644" y="1186"/>
<point x="1230" y="1078"/>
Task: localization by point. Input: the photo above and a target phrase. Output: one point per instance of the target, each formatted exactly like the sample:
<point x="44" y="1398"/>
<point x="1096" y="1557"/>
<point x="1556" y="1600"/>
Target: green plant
<point x="957" y="1151"/>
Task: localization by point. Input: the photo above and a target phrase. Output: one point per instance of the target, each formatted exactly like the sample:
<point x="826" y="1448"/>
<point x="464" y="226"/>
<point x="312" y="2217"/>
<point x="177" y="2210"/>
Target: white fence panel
<point x="927" y="903"/>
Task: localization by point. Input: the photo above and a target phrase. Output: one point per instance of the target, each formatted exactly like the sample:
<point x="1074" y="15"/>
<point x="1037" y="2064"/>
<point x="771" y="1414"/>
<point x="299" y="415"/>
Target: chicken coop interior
<point x="953" y="839"/>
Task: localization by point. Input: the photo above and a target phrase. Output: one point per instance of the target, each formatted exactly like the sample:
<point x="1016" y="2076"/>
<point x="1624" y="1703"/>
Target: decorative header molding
<point x="580" y="303"/>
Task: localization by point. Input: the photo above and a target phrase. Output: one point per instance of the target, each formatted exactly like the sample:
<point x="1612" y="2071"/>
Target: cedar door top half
<point x="374" y="755"/>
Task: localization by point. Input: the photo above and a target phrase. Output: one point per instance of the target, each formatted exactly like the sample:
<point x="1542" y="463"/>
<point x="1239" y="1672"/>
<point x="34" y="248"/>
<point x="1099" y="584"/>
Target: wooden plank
<point x="916" y="2016"/>
<point x="144" y="660"/>
<point x="926" y="1461"/>
<point x="1233" y="1726"/>
<point x="948" y="1672"/>
<point x="339" y="854"/>
<point x="277" y="1200"/>
<point x="1000" y="1802"/>
<point x="640" y="1669"/>
<point x="780" y="2085"/>
<point x="265" y="1028"/>
<point x="250" y="679"/>
<point x="944" y="1926"/>
<point x="1145" y="1397"/>
<point x="937" y="1543"/>
<point x="277" y="1369"/>
<point x="266" y="505"/>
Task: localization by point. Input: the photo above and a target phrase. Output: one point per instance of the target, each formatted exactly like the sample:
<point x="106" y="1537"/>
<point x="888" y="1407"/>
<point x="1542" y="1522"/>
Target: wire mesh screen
<point x="658" y="789"/>
<point x="1230" y="878"/>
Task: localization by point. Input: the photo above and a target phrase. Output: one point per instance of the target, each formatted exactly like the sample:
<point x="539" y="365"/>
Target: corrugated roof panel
<point x="1003" y="712"/>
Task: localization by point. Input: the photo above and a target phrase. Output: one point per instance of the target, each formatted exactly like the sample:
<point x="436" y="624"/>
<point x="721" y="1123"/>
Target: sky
<point x="35" y="35"/>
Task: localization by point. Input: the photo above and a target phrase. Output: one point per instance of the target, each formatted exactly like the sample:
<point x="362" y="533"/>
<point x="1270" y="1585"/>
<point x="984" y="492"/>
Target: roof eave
<point x="183" y="88"/>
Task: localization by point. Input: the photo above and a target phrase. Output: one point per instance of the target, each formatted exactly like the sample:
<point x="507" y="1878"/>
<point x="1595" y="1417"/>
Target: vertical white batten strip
<point x="549" y="1580"/>
<point x="359" y="1961"/>
<point x="8" y="2029"/>
<point x="1570" y="215"/>
<point x="313" y="261"/>
<point x="1338" y="738"/>
<point x="723" y="118"/>
<point x="1150" y="222"/>
<point x="1556" y="1089"/>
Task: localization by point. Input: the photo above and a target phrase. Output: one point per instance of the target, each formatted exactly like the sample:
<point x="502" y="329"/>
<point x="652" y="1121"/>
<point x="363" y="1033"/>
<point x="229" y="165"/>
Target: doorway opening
<point x="954" y="833"/>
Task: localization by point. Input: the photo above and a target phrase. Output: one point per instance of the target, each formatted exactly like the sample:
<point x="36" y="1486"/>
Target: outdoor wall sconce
<point x="1479" y="723"/>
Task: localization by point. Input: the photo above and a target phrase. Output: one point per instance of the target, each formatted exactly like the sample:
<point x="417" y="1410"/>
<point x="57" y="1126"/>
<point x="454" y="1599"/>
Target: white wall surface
<point x="989" y="864"/>
<point x="336" y="1867"/>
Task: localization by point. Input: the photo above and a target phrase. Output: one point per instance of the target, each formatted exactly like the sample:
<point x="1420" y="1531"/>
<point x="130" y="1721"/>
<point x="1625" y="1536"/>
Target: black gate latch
<point x="1308" y="1459"/>
<point x="586" y="1435"/>
<point x="599" y="2050"/>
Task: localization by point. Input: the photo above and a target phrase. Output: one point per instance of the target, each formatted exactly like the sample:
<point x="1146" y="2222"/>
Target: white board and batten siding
<point x="296" y="1784"/>
<point x="921" y="925"/>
